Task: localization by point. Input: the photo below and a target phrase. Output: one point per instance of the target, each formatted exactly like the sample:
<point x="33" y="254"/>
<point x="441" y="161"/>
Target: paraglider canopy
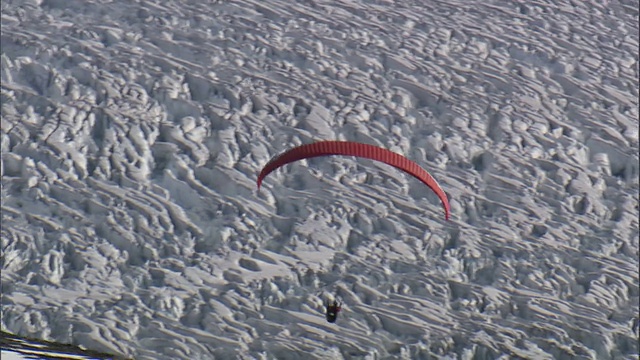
<point x="325" y="148"/>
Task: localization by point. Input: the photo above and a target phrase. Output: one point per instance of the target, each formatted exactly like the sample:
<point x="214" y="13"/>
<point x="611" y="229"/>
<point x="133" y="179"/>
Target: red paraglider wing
<point x="324" y="148"/>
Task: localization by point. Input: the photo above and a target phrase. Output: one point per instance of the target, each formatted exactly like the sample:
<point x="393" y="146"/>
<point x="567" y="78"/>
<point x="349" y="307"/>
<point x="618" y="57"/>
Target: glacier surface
<point x="133" y="132"/>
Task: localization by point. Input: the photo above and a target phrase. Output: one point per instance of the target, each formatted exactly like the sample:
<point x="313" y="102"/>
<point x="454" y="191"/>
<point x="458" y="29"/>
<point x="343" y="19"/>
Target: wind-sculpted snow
<point x="133" y="133"/>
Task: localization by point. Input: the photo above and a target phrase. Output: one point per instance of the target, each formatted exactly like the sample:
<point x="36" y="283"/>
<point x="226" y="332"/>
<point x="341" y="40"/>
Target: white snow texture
<point x="133" y="133"/>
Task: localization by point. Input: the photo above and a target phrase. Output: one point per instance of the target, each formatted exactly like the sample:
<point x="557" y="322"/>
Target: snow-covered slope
<point x="16" y="347"/>
<point x="133" y="133"/>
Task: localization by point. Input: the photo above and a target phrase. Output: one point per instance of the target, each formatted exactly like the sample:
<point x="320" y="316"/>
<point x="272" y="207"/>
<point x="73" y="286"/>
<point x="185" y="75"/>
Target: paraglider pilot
<point x="332" y="311"/>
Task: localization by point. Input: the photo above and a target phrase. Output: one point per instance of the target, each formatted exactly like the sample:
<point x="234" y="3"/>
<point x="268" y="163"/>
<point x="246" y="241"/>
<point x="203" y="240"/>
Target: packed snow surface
<point x="133" y="133"/>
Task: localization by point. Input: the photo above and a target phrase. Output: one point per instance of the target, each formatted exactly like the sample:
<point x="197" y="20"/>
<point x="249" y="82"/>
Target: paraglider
<point x="326" y="148"/>
<point x="332" y="311"/>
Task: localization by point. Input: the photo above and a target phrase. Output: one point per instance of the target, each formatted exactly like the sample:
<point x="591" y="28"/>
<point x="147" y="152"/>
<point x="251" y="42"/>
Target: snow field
<point x="132" y="135"/>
